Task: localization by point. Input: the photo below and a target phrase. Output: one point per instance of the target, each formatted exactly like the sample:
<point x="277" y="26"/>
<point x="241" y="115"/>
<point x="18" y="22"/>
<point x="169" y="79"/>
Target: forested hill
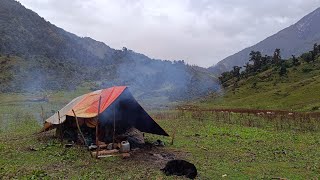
<point x="294" y="40"/>
<point x="38" y="56"/>
<point x="25" y="33"/>
<point x="272" y="82"/>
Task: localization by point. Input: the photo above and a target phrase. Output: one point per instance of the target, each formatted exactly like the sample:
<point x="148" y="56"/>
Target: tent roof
<point x="87" y="105"/>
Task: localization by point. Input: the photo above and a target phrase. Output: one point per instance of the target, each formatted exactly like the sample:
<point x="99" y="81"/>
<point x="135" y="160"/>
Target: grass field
<point x="217" y="146"/>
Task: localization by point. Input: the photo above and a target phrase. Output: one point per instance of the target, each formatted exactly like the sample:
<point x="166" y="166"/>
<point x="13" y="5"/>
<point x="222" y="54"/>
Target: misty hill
<point x="294" y="40"/>
<point x="38" y="56"/>
<point x="288" y="84"/>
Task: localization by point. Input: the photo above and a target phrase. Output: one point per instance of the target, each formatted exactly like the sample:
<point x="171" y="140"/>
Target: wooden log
<point x="102" y="145"/>
<point x="104" y="152"/>
<point x="123" y="155"/>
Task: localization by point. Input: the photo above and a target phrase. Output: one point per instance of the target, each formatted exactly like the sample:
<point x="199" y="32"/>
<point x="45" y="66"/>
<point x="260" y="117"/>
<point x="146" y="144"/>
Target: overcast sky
<point x="200" y="32"/>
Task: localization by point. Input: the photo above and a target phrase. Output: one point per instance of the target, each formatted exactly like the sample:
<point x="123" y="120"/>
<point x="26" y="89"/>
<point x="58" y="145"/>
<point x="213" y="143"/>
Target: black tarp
<point x="125" y="112"/>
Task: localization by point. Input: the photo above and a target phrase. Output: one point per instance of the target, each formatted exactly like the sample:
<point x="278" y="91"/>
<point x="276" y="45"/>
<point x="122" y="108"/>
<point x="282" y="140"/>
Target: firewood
<point x="104" y="152"/>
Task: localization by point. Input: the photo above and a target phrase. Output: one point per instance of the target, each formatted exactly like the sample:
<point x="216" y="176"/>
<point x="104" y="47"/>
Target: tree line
<point x="259" y="63"/>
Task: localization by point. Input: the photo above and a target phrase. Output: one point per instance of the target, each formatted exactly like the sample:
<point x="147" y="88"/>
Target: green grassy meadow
<point x="299" y="90"/>
<point x="220" y="148"/>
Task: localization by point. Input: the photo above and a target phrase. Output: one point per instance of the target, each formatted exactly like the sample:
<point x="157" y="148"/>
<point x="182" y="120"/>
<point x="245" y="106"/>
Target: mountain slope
<point x="23" y="32"/>
<point x="38" y="56"/>
<point x="293" y="40"/>
<point x="298" y="90"/>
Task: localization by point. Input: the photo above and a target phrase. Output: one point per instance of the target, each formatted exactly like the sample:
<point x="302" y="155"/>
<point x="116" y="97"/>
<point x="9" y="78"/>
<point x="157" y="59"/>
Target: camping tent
<point x="113" y="107"/>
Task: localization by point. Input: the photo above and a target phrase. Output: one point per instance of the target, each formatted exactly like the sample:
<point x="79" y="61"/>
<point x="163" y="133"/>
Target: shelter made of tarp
<point x="118" y="108"/>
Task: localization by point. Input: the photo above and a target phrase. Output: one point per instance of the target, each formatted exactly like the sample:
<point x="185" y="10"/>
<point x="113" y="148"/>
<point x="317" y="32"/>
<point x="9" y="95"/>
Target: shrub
<point x="307" y="70"/>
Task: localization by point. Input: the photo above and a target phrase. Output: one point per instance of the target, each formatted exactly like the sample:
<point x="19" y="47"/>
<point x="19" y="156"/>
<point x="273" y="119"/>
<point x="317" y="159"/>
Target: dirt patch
<point x="155" y="156"/>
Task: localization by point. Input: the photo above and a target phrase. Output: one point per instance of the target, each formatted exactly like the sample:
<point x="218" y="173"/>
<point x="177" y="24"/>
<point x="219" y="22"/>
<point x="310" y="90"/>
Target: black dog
<point x="180" y="168"/>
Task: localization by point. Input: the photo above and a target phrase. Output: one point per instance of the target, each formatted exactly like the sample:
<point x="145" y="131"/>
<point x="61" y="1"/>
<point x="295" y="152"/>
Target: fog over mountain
<point x="39" y="56"/>
<point x="201" y="32"/>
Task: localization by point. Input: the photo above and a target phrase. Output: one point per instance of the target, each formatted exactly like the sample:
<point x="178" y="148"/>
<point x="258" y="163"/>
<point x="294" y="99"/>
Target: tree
<point x="313" y="56"/>
<point x="295" y="61"/>
<point x="264" y="60"/>
<point x="255" y="57"/>
<point x="248" y="69"/>
<point x="236" y="72"/>
<point x="307" y="57"/>
<point x="276" y="56"/>
<point x="316" y="49"/>
<point x="283" y="69"/>
<point x="224" y="77"/>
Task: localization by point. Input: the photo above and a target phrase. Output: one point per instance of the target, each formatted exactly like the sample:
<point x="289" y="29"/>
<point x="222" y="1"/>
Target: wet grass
<point x="28" y="156"/>
<point x="217" y="149"/>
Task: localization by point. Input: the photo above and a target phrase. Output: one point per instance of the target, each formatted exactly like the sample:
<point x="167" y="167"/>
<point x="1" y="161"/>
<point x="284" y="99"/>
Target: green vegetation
<point x="215" y="143"/>
<point x="271" y="83"/>
<point x="237" y="146"/>
<point x="51" y="61"/>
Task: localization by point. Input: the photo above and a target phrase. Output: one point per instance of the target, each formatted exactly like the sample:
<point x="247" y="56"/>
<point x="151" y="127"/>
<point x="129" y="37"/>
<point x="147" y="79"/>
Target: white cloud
<point x="201" y="32"/>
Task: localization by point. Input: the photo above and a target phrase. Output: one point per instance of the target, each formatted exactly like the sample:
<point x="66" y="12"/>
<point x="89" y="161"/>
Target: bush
<point x="307" y="70"/>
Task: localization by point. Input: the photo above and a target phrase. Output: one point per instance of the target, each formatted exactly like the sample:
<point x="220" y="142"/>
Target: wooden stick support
<point x="84" y="140"/>
<point x="60" y="128"/>
<point x="114" y="123"/>
<point x="97" y="130"/>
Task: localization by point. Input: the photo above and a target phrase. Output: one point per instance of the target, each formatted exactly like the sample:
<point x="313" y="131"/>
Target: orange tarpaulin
<point x="89" y="105"/>
<point x="86" y="106"/>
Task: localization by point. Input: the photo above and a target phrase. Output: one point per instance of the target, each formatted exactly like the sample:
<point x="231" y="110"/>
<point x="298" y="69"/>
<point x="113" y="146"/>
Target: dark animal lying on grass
<point x="180" y="168"/>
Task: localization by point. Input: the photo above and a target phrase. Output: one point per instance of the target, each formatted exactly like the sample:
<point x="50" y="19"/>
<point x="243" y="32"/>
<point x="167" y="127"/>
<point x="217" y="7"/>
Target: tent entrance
<point x="69" y="130"/>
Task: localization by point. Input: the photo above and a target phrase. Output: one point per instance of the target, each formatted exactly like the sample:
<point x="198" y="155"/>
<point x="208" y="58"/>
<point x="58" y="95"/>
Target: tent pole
<point x="114" y="123"/>
<point x="84" y="140"/>
<point x="60" y="130"/>
<point x="97" y="141"/>
<point x="97" y="127"/>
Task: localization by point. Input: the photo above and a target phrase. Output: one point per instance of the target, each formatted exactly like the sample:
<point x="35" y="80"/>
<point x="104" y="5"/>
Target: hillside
<point x="294" y="40"/>
<point x="38" y="56"/>
<point x="297" y="88"/>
